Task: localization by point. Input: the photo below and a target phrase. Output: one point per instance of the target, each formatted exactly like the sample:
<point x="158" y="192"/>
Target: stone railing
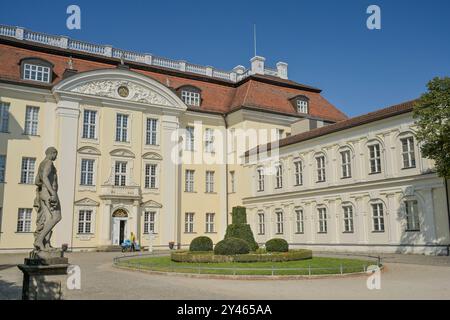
<point x="108" y="51"/>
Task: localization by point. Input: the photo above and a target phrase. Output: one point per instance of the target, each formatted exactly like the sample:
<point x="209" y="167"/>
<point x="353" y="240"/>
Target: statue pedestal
<point x="44" y="281"/>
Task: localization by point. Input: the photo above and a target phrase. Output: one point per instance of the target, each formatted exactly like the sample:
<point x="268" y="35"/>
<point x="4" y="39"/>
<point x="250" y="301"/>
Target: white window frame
<point x="408" y="154"/>
<point x="321" y="168"/>
<point x="412" y="215"/>
<point x="233" y="181"/>
<point x="299" y="221"/>
<point x="120" y="177"/>
<point x="302" y="106"/>
<point x="4" y="117"/>
<point x="85" y="219"/>
<point x="191" y="98"/>
<point x="27" y="171"/>
<point x="209" y="222"/>
<point x="31" y="120"/>
<point x="89" y="129"/>
<point x="261" y="223"/>
<point x="378" y="217"/>
<point x="298" y="172"/>
<point x="209" y="140"/>
<point x="346" y="164"/>
<point x="209" y="180"/>
<point x="150" y="222"/>
<point x="189" y="177"/>
<point x="86" y="173"/>
<point x="260" y="179"/>
<point x="190" y="138"/>
<point x="279" y="176"/>
<point x="322" y="220"/>
<point x="189" y="222"/>
<point x="2" y="168"/>
<point x="348" y="218"/>
<point x="374" y="158"/>
<point x="24" y="218"/>
<point x="122" y="127"/>
<point x="37" y="73"/>
<point x="279" y="222"/>
<point x="151" y="178"/>
<point x="151" y="132"/>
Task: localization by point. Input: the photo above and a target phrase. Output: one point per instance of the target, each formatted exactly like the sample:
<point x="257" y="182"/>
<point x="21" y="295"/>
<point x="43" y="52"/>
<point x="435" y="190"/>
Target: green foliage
<point x="239" y="215"/>
<point x="231" y="246"/>
<point x="277" y="245"/>
<point x="432" y="114"/>
<point x="242" y="231"/>
<point x="201" y="244"/>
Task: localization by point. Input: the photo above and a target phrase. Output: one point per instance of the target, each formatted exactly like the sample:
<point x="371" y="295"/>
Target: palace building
<point x="165" y="149"/>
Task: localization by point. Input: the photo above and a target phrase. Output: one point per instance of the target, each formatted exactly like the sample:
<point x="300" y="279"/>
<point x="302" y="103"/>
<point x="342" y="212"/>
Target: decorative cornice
<point x="89" y="151"/>
<point x="87" y="202"/>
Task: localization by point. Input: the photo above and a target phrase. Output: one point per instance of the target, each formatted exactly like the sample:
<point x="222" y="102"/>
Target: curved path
<point x="406" y="277"/>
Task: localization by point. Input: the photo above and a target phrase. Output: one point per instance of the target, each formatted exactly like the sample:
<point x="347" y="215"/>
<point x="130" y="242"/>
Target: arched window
<point x="36" y="69"/>
<point x="190" y="95"/>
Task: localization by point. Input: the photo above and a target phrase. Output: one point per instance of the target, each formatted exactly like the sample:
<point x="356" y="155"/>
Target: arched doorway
<point x="120" y="226"/>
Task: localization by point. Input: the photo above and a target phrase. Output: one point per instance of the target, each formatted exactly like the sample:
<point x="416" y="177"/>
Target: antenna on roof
<point x="254" y="38"/>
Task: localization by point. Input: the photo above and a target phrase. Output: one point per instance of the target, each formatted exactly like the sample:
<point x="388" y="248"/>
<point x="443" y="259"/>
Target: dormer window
<point x="191" y="96"/>
<point x="36" y="69"/>
<point x="302" y="105"/>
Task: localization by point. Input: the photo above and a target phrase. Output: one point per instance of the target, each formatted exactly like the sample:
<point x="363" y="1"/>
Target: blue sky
<point x="325" y="43"/>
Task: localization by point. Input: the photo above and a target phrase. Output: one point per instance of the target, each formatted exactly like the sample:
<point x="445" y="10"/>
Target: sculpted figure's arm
<point x="45" y="173"/>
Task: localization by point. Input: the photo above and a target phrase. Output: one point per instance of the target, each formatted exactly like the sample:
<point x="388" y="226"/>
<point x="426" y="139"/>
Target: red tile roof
<point x="377" y="115"/>
<point x="264" y="93"/>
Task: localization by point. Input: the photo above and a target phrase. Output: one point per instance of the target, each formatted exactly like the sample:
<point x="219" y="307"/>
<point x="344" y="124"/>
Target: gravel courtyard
<point x="405" y="277"/>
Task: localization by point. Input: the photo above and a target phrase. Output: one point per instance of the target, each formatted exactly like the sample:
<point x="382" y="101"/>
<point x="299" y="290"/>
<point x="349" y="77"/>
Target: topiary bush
<point x="239" y="215"/>
<point x="244" y="232"/>
<point x="201" y="244"/>
<point x="232" y="246"/>
<point x="277" y="245"/>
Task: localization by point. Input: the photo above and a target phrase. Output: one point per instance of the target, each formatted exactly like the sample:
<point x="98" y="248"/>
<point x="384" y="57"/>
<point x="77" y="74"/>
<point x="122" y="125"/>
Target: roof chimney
<point x="257" y="63"/>
<point x="282" y="70"/>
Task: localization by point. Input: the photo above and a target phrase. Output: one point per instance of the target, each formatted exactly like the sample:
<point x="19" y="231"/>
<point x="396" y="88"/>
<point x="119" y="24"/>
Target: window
<point x="4" y="117"/>
<point x="302" y="106"/>
<point x="233" y="181"/>
<point x="27" y="172"/>
<point x="89" y="121"/>
<point x="209" y="140"/>
<point x="2" y="168"/>
<point x="209" y="181"/>
<point x="320" y="168"/>
<point x="87" y="172"/>
<point x="299" y="221"/>
<point x="150" y="176"/>
<point x="375" y="158"/>
<point x="152" y="132"/>
<point x="120" y="176"/>
<point x="378" y="217"/>
<point x="280" y="133"/>
<point x="84" y="221"/>
<point x="261" y="224"/>
<point x="322" y="220"/>
<point x="190" y="97"/>
<point x="231" y="142"/>
<point x="149" y="222"/>
<point x="189" y="222"/>
<point x="346" y="164"/>
<point x="298" y="172"/>
<point x="190" y="139"/>
<point x="278" y="176"/>
<point x="189" y="181"/>
<point x="348" y="218"/>
<point x="24" y="220"/>
<point x="412" y="215"/>
<point x="31" y="120"/>
<point x="121" y="127"/>
<point x="209" y="222"/>
<point x="280" y="222"/>
<point x="36" y="72"/>
<point x="260" y="177"/>
<point x="409" y="158"/>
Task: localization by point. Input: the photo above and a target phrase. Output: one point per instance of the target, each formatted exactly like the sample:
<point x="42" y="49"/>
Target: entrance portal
<point x="119" y="227"/>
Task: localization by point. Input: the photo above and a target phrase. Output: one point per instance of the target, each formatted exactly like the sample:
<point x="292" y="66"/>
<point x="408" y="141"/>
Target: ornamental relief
<point x="124" y="90"/>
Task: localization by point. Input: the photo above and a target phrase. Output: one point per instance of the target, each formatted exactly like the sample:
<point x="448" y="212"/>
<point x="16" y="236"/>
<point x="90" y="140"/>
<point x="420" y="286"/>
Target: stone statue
<point x="47" y="206"/>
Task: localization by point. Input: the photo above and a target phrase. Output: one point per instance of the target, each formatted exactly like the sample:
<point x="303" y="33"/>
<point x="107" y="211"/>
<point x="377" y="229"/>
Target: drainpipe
<point x="448" y="209"/>
<point x="226" y="168"/>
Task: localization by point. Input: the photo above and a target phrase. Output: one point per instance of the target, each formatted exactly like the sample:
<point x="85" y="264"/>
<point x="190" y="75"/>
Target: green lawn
<point x="328" y="265"/>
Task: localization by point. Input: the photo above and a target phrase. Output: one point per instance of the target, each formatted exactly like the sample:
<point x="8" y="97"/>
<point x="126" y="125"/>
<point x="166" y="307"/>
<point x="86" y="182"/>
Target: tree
<point x="432" y="114"/>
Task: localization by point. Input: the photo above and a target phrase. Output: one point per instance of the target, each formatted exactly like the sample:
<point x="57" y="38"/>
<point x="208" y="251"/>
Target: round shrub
<point x="242" y="231"/>
<point x="201" y="244"/>
<point x="231" y="246"/>
<point x="277" y="245"/>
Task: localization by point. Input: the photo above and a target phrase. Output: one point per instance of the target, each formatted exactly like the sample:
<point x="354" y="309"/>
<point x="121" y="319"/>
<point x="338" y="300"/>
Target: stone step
<point x="109" y="249"/>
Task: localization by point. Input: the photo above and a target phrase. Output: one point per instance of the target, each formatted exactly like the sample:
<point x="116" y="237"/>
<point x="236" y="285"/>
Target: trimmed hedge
<point x="239" y="215"/>
<point x="209" y="257"/>
<point x="231" y="246"/>
<point x="242" y="231"/>
<point x="277" y="245"/>
<point x="201" y="244"/>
